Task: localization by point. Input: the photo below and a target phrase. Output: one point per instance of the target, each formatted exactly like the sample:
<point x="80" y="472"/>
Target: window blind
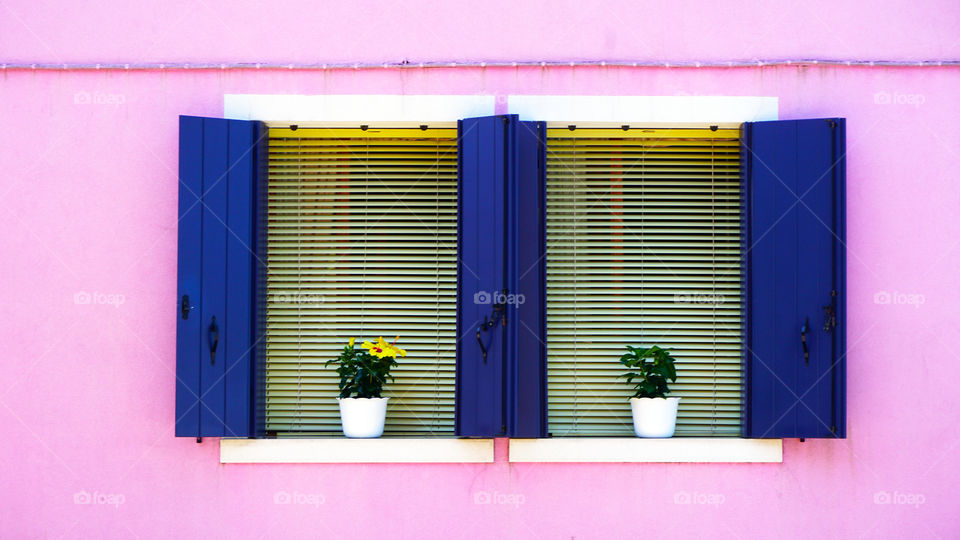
<point x="362" y="242"/>
<point x="643" y="248"/>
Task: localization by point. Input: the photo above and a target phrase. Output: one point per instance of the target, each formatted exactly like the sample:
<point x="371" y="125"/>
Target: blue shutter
<point x="501" y="258"/>
<point x="217" y="267"/>
<point x="481" y="273"/>
<point x="794" y="257"/>
<point x="526" y="276"/>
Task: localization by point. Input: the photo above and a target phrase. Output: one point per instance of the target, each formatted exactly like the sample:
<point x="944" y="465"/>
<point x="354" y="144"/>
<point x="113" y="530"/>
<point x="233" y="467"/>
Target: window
<point x="361" y="240"/>
<point x="725" y="243"/>
<point x="643" y="248"/>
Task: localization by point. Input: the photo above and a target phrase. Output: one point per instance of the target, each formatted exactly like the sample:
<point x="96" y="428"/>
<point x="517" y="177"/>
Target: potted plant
<point x="654" y="414"/>
<point x="362" y="374"/>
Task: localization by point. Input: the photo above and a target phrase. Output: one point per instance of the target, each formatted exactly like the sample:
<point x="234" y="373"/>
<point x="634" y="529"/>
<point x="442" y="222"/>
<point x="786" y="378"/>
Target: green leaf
<point x="653" y="367"/>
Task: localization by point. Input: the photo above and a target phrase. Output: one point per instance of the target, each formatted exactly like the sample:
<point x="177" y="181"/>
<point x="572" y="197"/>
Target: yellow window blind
<point x="362" y="242"/>
<point x="642" y="248"/>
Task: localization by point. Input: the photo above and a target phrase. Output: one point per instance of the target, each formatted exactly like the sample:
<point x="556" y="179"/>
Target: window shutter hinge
<point x="832" y="123"/>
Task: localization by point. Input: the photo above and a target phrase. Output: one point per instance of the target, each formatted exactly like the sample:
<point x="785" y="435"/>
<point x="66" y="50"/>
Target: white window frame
<point x="432" y="108"/>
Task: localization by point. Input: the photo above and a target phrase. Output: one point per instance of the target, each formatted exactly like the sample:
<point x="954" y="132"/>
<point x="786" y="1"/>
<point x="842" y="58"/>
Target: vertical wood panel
<point x="189" y="276"/>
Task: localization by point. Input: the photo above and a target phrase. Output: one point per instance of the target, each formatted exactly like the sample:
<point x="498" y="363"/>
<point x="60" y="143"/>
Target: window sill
<point x="636" y="450"/>
<point x="336" y="450"/>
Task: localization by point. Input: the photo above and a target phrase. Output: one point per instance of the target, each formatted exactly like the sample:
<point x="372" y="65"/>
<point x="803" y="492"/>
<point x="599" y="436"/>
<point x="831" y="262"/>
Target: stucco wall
<point x="421" y="30"/>
<point x="89" y="192"/>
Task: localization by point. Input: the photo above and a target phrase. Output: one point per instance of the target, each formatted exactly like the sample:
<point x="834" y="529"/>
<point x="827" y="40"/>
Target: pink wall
<point x="89" y="205"/>
<point x="423" y="30"/>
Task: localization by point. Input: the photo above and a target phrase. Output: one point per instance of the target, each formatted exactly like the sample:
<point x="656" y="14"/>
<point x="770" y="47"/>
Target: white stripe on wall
<point x="699" y="109"/>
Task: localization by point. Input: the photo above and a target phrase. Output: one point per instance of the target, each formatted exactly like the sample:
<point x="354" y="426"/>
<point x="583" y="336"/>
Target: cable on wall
<point x="181" y="66"/>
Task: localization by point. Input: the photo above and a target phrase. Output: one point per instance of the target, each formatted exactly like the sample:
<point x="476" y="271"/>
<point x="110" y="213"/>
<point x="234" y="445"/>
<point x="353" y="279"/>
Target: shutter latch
<point x="213" y="335"/>
<point x="185" y="306"/>
<point x="830" y="313"/>
<point x="803" y="340"/>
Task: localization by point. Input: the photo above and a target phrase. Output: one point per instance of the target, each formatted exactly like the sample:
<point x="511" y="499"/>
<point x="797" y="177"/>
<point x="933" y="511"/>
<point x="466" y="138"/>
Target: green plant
<point x="363" y="372"/>
<point x="651" y="368"/>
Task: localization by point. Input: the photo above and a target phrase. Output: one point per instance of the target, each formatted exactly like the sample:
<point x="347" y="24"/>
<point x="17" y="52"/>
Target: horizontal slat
<point x="594" y="134"/>
<point x="279" y="134"/>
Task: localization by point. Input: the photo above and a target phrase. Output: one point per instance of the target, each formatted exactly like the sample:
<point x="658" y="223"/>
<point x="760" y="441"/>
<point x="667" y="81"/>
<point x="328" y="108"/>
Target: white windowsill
<point x="637" y="450"/>
<point x="451" y="450"/>
<point x="335" y="450"/>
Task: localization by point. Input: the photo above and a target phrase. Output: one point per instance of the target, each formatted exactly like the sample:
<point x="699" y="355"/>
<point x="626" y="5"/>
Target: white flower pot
<point x="362" y="418"/>
<point x="654" y="417"/>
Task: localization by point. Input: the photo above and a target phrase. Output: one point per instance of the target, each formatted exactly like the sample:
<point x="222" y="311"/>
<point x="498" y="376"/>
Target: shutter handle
<point x="499" y="316"/>
<point x="213" y="335"/>
<point x="185" y="306"/>
<point x="803" y="340"/>
<point x="483" y="350"/>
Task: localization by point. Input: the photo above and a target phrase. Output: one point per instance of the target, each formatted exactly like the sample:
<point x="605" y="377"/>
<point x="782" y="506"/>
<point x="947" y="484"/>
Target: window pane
<point x="643" y="248"/>
<point x="362" y="242"/>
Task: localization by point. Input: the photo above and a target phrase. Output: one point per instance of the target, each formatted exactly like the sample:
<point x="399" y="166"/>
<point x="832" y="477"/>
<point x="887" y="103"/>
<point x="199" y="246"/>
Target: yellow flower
<point x="397" y="350"/>
<point x="377" y="349"/>
<point x="384" y="348"/>
<point x="352" y="340"/>
<point x="381" y="348"/>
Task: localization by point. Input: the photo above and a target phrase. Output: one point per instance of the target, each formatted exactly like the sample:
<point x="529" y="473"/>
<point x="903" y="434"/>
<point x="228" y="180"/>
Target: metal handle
<point x="499" y="316"/>
<point x="213" y="335"/>
<point x="185" y="306"/>
<point x="483" y="350"/>
<point x="803" y="339"/>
